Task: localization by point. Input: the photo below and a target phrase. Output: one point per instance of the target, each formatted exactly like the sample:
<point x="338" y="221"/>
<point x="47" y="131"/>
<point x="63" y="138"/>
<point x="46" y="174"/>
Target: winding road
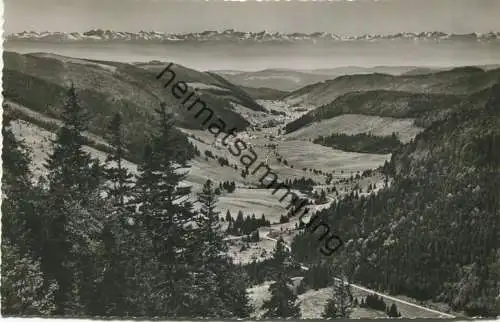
<point x="359" y="287"/>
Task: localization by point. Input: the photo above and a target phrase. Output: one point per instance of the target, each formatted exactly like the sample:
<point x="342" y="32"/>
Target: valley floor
<point x="301" y="158"/>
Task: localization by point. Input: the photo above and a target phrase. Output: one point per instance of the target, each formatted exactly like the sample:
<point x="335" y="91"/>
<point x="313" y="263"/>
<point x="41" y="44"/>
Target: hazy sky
<point x="342" y="17"/>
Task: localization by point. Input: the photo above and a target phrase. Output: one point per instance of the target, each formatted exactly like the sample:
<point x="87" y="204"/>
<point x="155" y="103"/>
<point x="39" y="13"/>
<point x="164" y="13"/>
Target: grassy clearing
<point x="312" y="302"/>
<point x="352" y="124"/>
<point x="310" y="155"/>
<point x="39" y="140"/>
<point x="258" y="251"/>
<point x="23" y="111"/>
<point x="258" y="201"/>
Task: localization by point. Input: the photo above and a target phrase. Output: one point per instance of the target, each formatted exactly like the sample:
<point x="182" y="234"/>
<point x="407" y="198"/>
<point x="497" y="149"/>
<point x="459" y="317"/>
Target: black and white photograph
<point x="250" y="160"/>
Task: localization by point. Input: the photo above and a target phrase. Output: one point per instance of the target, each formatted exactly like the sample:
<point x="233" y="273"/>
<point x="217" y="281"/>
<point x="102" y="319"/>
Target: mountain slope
<point x="433" y="234"/>
<point x="383" y="103"/>
<point x="280" y="79"/>
<point x="352" y="124"/>
<point x="40" y="81"/>
<point x="464" y="80"/>
<point x="292" y="80"/>
<point x="264" y="93"/>
<point x="210" y="84"/>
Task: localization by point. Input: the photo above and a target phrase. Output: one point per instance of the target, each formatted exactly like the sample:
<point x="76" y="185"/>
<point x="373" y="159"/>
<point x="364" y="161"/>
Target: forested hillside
<point x="457" y="81"/>
<point x="264" y="93"/>
<point x="39" y="82"/>
<point x="364" y="143"/>
<point x="217" y="85"/>
<point x="433" y="234"/>
<point x="425" y="107"/>
<point x="87" y="240"/>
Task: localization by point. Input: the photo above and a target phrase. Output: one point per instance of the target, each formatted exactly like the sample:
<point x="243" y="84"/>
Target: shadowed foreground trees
<point x="86" y="240"/>
<point x="283" y="298"/>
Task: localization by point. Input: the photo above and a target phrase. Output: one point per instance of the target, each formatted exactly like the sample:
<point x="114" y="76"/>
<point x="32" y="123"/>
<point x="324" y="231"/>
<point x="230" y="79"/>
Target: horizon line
<point x="255" y="32"/>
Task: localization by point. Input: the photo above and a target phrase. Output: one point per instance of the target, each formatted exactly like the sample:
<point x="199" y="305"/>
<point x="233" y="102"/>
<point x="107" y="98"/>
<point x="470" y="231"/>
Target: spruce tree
<point x="341" y="303"/>
<point x="280" y="254"/>
<point x="209" y="231"/>
<point x="16" y="183"/>
<point x="223" y="290"/>
<point x="262" y="221"/>
<point x="238" y="223"/>
<point x="74" y="180"/>
<point x="228" y="216"/>
<point x="119" y="177"/>
<point x="164" y="215"/>
<point x="110" y="299"/>
<point x="71" y="169"/>
<point x="162" y="204"/>
<point x="25" y="289"/>
<point x="282" y="303"/>
<point x="233" y="284"/>
<point x="16" y="159"/>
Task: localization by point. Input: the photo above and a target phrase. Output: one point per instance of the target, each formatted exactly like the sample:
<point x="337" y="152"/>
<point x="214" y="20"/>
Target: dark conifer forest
<point x="433" y="234"/>
<point x="364" y="143"/>
<point x="86" y="240"/>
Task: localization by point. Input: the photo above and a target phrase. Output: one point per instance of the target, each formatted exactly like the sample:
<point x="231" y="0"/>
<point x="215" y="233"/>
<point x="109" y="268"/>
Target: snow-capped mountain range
<point x="236" y="36"/>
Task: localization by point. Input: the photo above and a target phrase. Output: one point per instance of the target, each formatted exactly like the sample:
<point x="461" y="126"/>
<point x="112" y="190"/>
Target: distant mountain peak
<point x="239" y="36"/>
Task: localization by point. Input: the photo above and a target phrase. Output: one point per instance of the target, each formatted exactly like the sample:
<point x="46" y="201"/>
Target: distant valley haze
<point x="244" y="51"/>
<point x="260" y="32"/>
